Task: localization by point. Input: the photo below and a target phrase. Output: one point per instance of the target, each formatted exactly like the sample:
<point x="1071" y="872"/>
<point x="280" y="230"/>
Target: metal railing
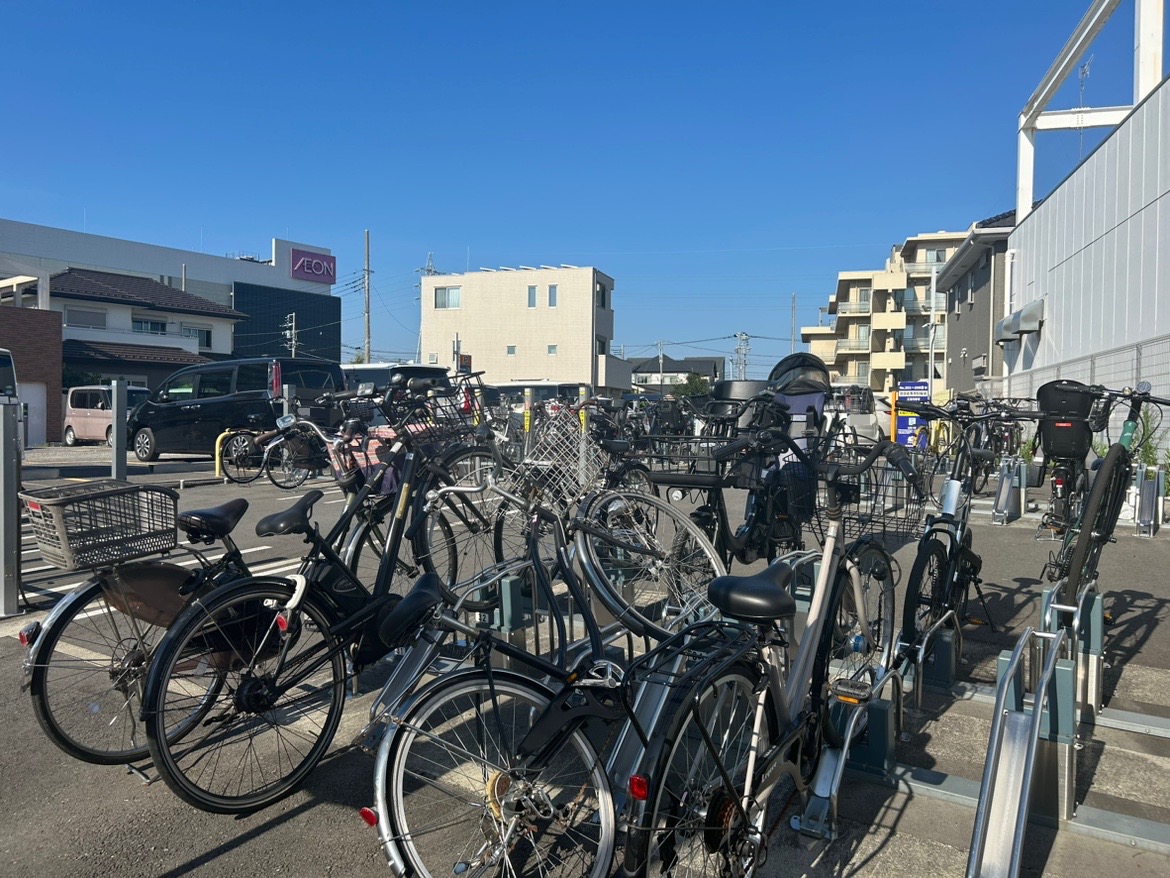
<point x="922" y="267"/>
<point x="854" y="345"/>
<point x="854" y="307"/>
<point x="922" y="306"/>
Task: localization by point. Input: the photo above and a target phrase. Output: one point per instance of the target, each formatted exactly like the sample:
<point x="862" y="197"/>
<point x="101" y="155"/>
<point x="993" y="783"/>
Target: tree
<point x="71" y="376"/>
<point x="358" y="357"/>
<point x="695" y="385"/>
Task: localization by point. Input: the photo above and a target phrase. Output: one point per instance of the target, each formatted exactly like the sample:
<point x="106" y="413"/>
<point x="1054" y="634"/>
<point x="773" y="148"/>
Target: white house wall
<point x="1098" y="251"/>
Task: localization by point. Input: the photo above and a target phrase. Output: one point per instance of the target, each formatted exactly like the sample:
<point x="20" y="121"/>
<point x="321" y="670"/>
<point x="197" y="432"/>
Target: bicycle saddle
<point x="760" y="598"/>
<point x="616" y="446"/>
<point x="218" y="521"/>
<point x="294" y="520"/>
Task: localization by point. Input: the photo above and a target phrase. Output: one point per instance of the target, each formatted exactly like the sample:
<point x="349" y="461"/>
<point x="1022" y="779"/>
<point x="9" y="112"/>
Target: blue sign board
<point x="908" y="433"/>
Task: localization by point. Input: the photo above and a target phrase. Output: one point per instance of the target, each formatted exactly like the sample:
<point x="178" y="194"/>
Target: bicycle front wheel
<point x="648" y="562"/>
<point x="926" y="591"/>
<point x="288" y="463"/>
<point x="459" y="803"/>
<point x="274" y="716"/>
<point x="857" y="640"/>
<point x="1102" y="509"/>
<point x="694" y="823"/>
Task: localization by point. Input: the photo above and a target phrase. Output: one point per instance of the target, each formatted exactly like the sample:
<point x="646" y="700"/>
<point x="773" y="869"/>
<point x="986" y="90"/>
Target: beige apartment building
<point x="525" y="325"/>
<point x="884" y="324"/>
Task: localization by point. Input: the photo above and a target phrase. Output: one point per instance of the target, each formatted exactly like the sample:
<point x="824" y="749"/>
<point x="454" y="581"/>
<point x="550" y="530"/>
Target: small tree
<point x="695" y="385"/>
<point x="73" y="377"/>
<point x="358" y="357"/>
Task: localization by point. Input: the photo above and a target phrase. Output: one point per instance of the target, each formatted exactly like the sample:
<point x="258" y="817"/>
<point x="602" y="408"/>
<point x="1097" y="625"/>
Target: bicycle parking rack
<point x="1150" y="490"/>
<point x="10" y="513"/>
<point x="1013" y="475"/>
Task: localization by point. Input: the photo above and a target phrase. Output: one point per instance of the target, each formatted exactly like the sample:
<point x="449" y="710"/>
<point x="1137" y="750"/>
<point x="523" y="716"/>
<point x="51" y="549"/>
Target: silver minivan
<point x="87" y="412"/>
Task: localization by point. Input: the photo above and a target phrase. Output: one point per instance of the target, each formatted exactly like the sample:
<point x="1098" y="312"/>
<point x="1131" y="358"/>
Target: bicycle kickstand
<point x="983" y="601"/>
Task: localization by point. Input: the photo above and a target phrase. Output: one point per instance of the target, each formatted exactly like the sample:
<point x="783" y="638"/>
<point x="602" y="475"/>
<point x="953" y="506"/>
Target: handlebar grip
<point x="898" y="456"/>
<point x="909" y="406"/>
<point x="734" y="447"/>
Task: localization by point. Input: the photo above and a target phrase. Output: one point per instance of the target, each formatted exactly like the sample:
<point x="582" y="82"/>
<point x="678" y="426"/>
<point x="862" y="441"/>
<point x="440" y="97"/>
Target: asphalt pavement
<point x="67" y="818"/>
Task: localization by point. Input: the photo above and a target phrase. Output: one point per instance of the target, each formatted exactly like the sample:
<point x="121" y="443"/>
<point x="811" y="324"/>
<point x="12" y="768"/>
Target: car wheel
<point x="70" y="437"/>
<point x="144" y="447"/>
<point x="110" y="436"/>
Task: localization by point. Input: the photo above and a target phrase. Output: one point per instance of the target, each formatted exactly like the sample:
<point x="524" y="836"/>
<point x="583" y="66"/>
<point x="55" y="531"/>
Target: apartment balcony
<point x="854" y="346"/>
<point x="922" y="306"/>
<point x="922" y="267"/>
<point x="854" y="307"/>
<point x="888" y="320"/>
<point x="890" y="360"/>
<point x="922" y="345"/>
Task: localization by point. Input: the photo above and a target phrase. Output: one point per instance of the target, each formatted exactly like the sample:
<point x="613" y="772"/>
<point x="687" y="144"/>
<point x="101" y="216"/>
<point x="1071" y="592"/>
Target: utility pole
<point x="742" y="347"/>
<point x="930" y="363"/>
<point x="290" y="332"/>
<point x="367" y="295"/>
<point x="661" y="345"/>
<point x="792" y="335"/>
<point x="427" y="270"/>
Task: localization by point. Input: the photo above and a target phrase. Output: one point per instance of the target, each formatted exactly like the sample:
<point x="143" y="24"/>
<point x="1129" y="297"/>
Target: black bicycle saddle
<point x="218" y="521"/>
<point x="294" y="520"/>
<point x="760" y="598"/>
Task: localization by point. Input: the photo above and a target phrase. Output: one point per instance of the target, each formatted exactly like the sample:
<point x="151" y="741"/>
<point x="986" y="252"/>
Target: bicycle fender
<point x="82" y="592"/>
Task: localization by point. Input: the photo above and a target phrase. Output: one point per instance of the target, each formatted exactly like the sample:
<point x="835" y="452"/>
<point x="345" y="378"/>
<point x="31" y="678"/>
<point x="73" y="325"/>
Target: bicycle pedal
<point x="851" y="691"/>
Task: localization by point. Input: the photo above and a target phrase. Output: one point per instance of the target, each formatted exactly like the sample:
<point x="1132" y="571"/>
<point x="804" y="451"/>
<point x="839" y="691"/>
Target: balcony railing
<point x="923" y="344"/>
<point x="922" y="267"/>
<point x="922" y="306"/>
<point x="853" y="345"/>
<point x="853" y="307"/>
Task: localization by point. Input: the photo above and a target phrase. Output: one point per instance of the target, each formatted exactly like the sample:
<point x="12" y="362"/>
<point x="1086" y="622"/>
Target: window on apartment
<point x="863" y="371"/>
<point x="432" y="359"/>
<point x="150" y="327"/>
<point x="864" y="294"/>
<point x="601" y="294"/>
<point x="602" y="345"/>
<point x="939" y="256"/>
<point x="198" y="332"/>
<point x="532" y="296"/>
<point x="447" y="297"/>
<point x="863" y="333"/>
<point x="552" y="350"/>
<point x="85" y="319"/>
<point x="552" y="295"/>
<point x="511" y="350"/>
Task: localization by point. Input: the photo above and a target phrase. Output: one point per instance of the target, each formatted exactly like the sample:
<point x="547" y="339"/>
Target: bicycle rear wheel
<point x="647" y="560"/>
<point x="274" y="718"/>
<point x="240" y="458"/>
<point x="1102" y="509"/>
<point x="694" y="824"/>
<point x="289" y="463"/>
<point x="87" y="684"/>
<point x="457" y="803"/>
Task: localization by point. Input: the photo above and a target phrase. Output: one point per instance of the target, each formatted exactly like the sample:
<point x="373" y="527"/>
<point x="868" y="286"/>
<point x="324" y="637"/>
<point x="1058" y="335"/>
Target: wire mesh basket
<point x="695" y="456"/>
<point x="101" y="523"/>
<point x="562" y="460"/>
<point x="878" y="503"/>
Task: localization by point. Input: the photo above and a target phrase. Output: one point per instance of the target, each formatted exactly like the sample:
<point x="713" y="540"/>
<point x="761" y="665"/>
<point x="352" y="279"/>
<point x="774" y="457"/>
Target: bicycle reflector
<point x="282" y="621"/>
<point x="369" y="815"/>
<point x="639" y="787"/>
<point x="29" y="633"/>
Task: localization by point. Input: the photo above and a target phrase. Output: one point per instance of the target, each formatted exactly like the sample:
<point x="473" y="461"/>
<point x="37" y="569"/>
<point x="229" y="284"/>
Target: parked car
<point x="866" y="413"/>
<point x="381" y="374"/>
<point x="89" y="412"/>
<point x="194" y="405"/>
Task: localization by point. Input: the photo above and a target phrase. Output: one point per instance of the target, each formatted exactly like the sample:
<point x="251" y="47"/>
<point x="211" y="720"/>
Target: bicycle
<point x="85" y="663"/>
<point x="946" y="566"/>
<point x="1064" y="437"/>
<point x="1076" y="561"/>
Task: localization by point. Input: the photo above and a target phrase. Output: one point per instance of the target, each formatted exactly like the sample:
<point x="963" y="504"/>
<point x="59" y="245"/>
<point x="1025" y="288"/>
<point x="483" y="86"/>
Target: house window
<point x="552" y="350"/>
<point x="150" y="327"/>
<point x="86" y="319"/>
<point x="511" y="350"/>
<point x="552" y="295"/>
<point x="532" y="297"/>
<point x="447" y="297"/>
<point x="432" y="358"/>
<point x="200" y="333"/>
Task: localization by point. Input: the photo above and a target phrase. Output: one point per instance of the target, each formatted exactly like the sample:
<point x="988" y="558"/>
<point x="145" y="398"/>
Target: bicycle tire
<point x="636" y="588"/>
<point x="925" y="591"/>
<point x="233" y="633"/>
<point x="240" y="460"/>
<point x="691" y="820"/>
<point x="287" y="466"/>
<point x="448" y="767"/>
<point x="1098" y="520"/>
<point x="634" y="477"/>
<point x="979" y="479"/>
<point x="851" y="647"/>
<point x="98" y="721"/>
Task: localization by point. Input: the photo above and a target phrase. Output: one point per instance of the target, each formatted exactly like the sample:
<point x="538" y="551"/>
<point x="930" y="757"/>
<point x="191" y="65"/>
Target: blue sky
<point x="713" y="158"/>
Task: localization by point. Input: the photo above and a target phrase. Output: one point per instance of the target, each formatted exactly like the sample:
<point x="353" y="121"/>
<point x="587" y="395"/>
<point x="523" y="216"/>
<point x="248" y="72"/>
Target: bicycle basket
<point x="878" y="503"/>
<point x="562" y="460"/>
<point x="1064" y="430"/>
<point x="101" y="523"/>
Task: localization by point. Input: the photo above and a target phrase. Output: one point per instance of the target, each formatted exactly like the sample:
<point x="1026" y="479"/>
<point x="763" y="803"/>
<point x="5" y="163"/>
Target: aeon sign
<point x="314" y="266"/>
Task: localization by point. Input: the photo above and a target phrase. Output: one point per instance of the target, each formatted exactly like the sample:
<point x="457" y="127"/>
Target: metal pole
<point x="367" y="295"/>
<point x="9" y="511"/>
<point x="289" y="407"/>
<point x="118" y="430"/>
<point x="930" y="363"/>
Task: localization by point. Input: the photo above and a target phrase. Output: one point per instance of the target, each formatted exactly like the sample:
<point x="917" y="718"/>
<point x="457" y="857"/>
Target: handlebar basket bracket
<point x="101" y="523"/>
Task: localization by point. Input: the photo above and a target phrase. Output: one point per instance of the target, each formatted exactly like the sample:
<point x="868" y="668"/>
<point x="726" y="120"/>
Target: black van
<point x="194" y="405"/>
